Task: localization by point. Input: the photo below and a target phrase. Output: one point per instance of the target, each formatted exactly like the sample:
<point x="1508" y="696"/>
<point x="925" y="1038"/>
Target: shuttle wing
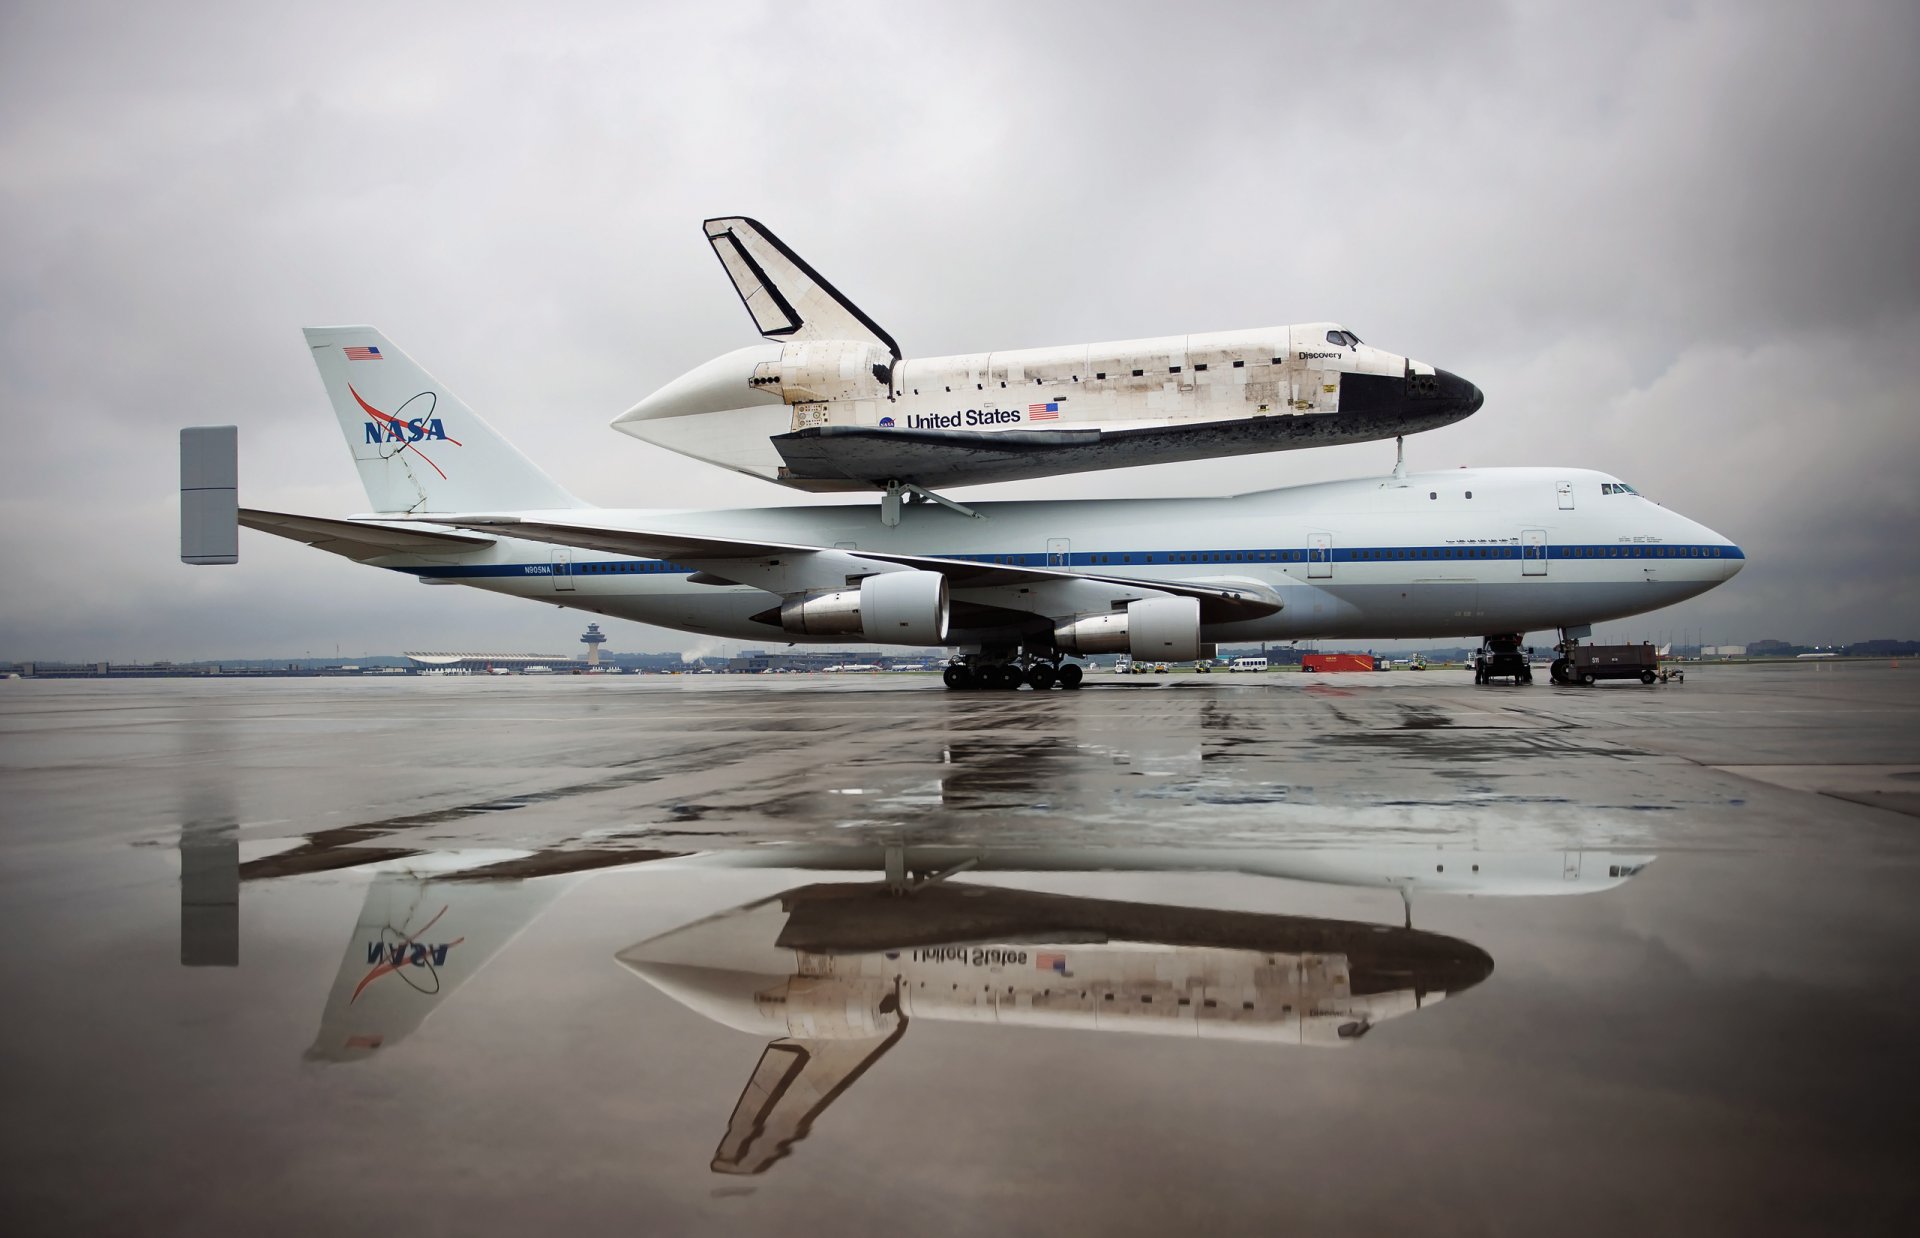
<point x="786" y="567"/>
<point x="787" y="298"/>
<point x="358" y="539"/>
<point x="791" y="1086"/>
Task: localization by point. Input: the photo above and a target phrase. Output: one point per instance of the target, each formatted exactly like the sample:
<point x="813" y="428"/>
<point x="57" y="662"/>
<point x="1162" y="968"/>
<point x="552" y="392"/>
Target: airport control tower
<point x="593" y="638"/>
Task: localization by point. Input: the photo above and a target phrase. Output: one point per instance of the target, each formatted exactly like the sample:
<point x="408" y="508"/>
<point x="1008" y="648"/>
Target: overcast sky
<point x="1676" y="241"/>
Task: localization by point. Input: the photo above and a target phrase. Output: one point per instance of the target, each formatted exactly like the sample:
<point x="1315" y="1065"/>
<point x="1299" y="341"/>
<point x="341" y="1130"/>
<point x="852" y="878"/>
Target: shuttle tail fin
<point x="793" y="1083"/>
<point x="418" y="446"/>
<point x="788" y="299"/>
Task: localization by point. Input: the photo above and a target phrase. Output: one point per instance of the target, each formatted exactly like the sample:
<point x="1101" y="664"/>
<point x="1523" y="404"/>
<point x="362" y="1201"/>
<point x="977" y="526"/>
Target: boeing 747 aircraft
<point x="1017" y="587"/>
<point x="830" y="404"/>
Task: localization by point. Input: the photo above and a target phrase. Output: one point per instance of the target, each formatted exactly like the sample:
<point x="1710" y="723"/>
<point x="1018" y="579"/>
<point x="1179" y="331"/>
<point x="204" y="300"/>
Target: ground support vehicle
<point x="1503" y="658"/>
<point x="1588" y="664"/>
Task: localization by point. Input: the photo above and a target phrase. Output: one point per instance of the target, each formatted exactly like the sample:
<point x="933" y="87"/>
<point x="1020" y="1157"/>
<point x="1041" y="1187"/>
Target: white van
<point x="1248" y="664"/>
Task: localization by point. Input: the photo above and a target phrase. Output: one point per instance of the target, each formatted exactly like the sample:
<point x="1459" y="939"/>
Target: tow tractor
<point x="1503" y="658"/>
<point x="1586" y="664"/>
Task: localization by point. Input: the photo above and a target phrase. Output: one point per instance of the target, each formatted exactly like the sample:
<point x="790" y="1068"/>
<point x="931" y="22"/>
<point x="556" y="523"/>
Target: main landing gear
<point x="1038" y="673"/>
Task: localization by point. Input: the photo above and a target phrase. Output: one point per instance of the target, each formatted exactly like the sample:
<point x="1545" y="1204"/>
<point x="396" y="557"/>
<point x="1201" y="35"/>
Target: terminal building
<point x="487" y="663"/>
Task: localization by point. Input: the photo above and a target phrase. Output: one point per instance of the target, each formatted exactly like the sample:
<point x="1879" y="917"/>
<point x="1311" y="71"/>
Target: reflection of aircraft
<point x="833" y="974"/>
<point x="1409" y="870"/>
<point x="430" y="923"/>
<point x="419" y="937"/>
<point x="831" y="404"/>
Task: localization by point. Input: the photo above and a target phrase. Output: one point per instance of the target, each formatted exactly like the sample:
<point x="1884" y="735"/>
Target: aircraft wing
<point x="791" y="1086"/>
<point x="789" y="567"/>
<point x="787" y="298"/>
<point x="357" y="539"/>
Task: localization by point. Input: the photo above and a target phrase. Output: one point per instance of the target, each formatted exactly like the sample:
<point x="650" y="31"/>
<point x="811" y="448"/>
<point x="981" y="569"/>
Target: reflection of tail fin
<point x="418" y="447"/>
<point x="417" y="940"/>
<point x="787" y="298"/>
<point x="792" y="1085"/>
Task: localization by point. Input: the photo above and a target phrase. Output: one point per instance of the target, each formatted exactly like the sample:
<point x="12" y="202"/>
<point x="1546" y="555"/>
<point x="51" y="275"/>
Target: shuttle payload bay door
<point x="563" y="568"/>
<point x="1319" y="556"/>
<point x="1533" y="552"/>
<point x="1059" y="552"/>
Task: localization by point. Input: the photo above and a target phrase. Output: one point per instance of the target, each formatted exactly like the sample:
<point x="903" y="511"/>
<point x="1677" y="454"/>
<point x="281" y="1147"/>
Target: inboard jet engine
<point x="831" y="405"/>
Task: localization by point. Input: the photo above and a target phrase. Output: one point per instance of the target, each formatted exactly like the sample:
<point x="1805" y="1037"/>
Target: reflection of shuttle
<point x="418" y="939"/>
<point x="833" y="974"/>
<point x="832" y="405"/>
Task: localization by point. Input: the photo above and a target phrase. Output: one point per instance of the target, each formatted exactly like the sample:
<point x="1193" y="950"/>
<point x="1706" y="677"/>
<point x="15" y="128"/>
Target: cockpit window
<point x="1616" y="487"/>
<point x="1346" y="339"/>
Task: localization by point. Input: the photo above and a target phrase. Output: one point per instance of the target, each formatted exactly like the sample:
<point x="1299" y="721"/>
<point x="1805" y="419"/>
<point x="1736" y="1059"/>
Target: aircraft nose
<point x="1462" y="397"/>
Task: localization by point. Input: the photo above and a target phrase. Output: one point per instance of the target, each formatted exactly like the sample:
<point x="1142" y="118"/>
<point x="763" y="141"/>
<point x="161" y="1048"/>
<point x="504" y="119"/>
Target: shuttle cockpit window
<point x="1345" y="339"/>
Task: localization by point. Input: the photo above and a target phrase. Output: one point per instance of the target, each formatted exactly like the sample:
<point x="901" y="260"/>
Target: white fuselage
<point x="1464" y="553"/>
<point x="730" y="410"/>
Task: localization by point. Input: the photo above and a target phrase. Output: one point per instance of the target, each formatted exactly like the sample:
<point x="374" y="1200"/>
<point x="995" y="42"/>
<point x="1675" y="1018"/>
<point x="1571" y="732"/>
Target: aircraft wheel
<point x="1586" y="680"/>
<point x="1011" y="677"/>
<point x="958" y="678"/>
<point x="1070" y="675"/>
<point x="1040" y="676"/>
<point x="1646" y="676"/>
<point x="1561" y="670"/>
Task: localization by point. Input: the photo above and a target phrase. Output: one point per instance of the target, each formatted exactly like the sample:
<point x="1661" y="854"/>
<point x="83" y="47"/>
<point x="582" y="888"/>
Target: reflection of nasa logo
<point x="416" y="962"/>
<point x="886" y="423"/>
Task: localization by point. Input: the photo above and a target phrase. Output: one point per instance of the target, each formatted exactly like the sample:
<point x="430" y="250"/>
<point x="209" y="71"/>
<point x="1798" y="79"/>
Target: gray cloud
<point x="1672" y="241"/>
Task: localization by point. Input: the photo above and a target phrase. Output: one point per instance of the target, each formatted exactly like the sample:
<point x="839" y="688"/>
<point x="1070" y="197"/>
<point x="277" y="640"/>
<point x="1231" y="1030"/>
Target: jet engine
<point x="893" y="608"/>
<point x="1160" y="629"/>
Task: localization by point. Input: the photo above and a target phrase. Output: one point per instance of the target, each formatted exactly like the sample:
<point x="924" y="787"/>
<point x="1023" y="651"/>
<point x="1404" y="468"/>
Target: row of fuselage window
<point x="1156" y="557"/>
<point x="1101" y="376"/>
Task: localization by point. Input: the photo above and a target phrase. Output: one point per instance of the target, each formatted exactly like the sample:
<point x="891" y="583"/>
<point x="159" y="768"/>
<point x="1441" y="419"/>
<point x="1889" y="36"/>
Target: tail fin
<point x="418" y="446"/>
<point x="416" y="941"/>
<point x="787" y="298"/>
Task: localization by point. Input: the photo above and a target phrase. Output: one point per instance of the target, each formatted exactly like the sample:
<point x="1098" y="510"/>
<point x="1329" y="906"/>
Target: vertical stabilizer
<point x="418" y="446"/>
<point x="417" y="940"/>
<point x="788" y="299"/>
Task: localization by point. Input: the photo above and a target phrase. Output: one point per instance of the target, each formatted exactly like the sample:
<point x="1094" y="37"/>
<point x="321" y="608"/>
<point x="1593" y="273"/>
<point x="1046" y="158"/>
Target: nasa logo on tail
<point x="404" y="427"/>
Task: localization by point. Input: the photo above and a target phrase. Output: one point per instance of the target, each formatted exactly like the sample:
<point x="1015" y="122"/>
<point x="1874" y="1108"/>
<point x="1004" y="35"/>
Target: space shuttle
<point x="834" y="974"/>
<point x="830" y="404"/>
<point x="831" y="974"/>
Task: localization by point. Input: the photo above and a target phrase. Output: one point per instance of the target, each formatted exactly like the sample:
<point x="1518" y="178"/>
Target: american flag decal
<point x="1043" y="961"/>
<point x="1043" y="412"/>
<point x="363" y="353"/>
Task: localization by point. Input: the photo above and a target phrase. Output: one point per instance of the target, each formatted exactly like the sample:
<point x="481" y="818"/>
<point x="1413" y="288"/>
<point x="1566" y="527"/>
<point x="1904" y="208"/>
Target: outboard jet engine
<point x="1153" y="629"/>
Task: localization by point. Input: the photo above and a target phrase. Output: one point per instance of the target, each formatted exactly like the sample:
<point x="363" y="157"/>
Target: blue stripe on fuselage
<point x="1106" y="561"/>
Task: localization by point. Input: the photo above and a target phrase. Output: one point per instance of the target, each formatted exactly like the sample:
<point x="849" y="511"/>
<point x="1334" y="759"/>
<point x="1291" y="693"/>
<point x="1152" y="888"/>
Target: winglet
<point x="788" y="299"/>
<point x="209" y="494"/>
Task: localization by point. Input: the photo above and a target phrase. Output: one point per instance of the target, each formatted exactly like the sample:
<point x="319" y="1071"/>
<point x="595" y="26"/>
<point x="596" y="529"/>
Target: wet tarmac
<point x="1238" y="954"/>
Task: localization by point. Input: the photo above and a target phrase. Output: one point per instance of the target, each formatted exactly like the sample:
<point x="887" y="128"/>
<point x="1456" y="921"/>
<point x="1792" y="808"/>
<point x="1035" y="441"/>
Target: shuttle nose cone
<point x="1462" y="397"/>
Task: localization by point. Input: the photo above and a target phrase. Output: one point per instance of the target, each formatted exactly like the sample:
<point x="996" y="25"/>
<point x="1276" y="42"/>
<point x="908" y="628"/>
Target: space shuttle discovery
<point x="831" y="405"/>
<point x="833" y="975"/>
